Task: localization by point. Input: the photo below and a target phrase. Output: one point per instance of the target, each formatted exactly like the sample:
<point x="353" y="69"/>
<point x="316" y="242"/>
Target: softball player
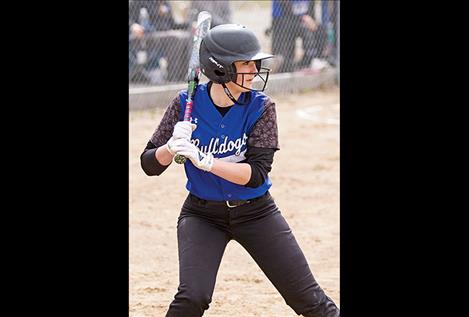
<point x="229" y="145"/>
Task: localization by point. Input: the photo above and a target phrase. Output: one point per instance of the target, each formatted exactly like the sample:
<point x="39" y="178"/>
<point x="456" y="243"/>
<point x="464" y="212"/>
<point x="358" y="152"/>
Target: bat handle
<point x="187" y="117"/>
<point x="179" y="159"/>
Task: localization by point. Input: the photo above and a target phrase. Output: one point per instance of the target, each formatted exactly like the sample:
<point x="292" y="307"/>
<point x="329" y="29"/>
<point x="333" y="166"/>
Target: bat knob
<point x="179" y="159"/>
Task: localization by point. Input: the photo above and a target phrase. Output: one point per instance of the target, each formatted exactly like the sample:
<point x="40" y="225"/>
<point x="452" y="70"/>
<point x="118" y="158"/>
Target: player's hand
<point x="199" y="159"/>
<point x="169" y="146"/>
<point x="183" y="130"/>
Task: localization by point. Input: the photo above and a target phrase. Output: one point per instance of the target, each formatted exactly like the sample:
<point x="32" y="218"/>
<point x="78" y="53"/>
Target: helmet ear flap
<point x="232" y="73"/>
<point x="223" y="73"/>
<point x="212" y="67"/>
<point x="219" y="73"/>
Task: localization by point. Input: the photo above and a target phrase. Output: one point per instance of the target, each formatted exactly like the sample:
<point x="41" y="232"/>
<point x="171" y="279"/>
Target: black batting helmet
<point x="223" y="45"/>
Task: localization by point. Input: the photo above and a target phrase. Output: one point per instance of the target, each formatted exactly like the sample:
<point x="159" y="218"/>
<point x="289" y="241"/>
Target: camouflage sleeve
<point x="166" y="126"/>
<point x="265" y="132"/>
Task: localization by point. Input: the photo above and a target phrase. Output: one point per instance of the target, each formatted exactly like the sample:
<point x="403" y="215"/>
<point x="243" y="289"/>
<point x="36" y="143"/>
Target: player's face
<point x="245" y="67"/>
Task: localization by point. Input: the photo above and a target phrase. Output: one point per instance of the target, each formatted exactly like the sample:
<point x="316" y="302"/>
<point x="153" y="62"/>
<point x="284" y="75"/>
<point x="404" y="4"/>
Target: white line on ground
<point x="312" y="114"/>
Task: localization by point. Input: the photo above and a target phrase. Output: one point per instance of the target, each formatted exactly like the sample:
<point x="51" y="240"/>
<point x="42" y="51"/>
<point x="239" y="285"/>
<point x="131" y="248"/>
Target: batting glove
<point x="199" y="159"/>
<point x="183" y="130"/>
<point x="169" y="146"/>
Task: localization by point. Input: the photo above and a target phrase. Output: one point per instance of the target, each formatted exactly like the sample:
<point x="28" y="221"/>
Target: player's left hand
<point x="199" y="159"/>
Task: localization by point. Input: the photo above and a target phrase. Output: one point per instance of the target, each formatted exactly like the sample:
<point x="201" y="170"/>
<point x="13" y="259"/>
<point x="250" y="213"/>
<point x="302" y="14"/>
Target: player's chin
<point x="247" y="84"/>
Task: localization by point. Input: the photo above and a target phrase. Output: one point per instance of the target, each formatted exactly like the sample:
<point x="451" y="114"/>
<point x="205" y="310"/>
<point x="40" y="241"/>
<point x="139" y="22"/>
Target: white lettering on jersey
<point x="215" y="147"/>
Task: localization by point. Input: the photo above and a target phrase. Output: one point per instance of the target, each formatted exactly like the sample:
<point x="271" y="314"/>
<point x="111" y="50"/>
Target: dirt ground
<point x="305" y="176"/>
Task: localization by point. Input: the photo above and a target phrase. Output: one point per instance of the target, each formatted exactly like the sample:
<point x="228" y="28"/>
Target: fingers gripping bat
<point x="204" y="20"/>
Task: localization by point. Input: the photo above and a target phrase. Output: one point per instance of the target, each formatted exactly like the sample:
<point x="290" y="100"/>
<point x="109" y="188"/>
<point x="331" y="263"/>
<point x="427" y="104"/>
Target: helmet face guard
<point x="260" y="78"/>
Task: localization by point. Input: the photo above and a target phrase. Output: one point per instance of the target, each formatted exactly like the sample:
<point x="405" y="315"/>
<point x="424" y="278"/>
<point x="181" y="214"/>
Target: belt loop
<point x="228" y="204"/>
<point x="243" y="202"/>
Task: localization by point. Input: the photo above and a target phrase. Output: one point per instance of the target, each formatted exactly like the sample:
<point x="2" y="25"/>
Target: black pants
<point x="204" y="230"/>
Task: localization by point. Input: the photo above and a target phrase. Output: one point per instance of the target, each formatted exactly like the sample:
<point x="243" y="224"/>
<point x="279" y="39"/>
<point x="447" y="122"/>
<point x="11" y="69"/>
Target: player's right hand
<point x="183" y="130"/>
<point x="198" y="158"/>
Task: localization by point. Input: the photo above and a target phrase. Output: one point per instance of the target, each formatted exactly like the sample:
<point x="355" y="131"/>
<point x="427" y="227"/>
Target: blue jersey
<point x="226" y="138"/>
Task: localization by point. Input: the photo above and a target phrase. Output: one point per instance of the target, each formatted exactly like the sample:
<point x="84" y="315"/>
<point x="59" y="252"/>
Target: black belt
<point x="229" y="203"/>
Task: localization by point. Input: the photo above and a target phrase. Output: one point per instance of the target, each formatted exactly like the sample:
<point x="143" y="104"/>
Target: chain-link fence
<point x="303" y="35"/>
